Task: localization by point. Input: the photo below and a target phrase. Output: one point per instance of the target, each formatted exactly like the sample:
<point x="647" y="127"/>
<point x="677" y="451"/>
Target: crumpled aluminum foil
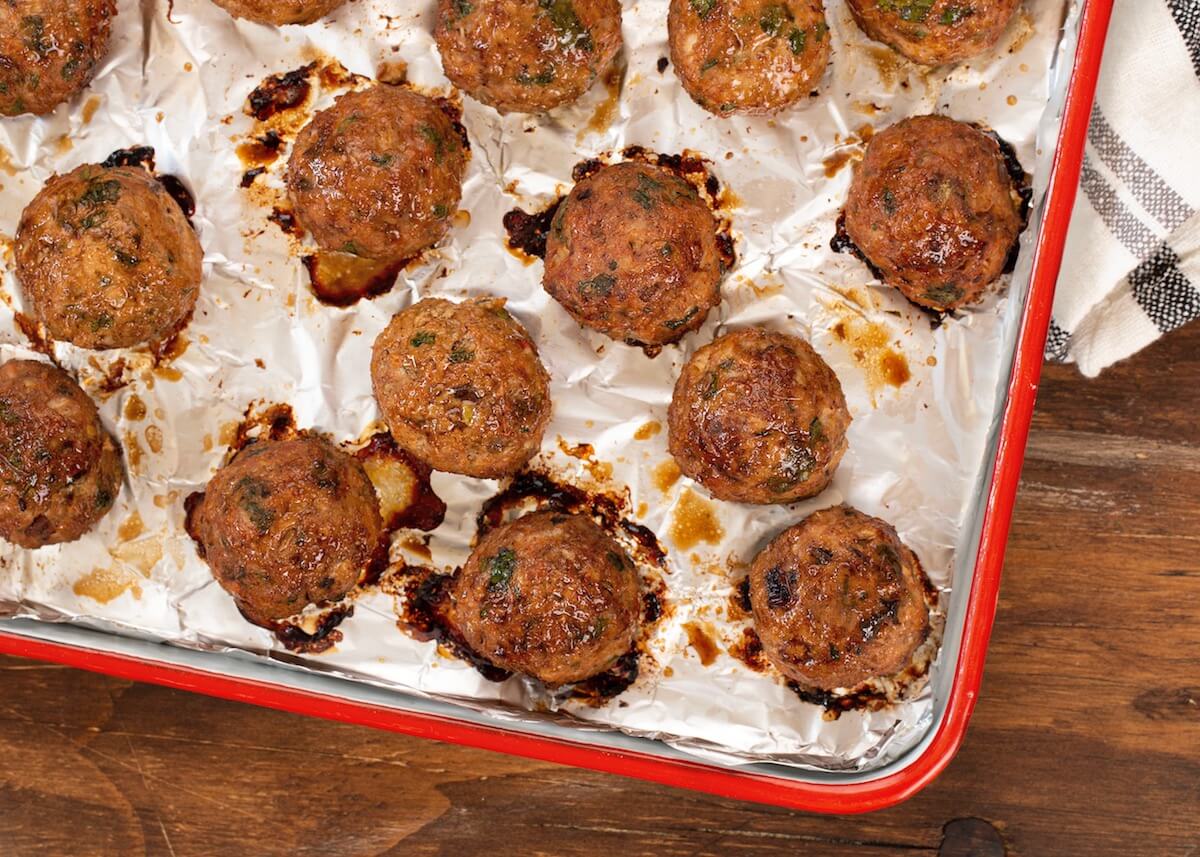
<point x="179" y="83"/>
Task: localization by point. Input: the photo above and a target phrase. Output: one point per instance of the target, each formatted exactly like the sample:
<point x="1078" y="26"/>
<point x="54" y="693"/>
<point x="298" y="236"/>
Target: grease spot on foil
<point x="694" y="520"/>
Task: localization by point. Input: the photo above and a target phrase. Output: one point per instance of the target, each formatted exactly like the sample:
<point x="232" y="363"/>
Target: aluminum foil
<point x="924" y="397"/>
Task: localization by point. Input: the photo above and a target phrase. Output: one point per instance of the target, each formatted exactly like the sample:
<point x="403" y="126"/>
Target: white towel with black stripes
<point x="1131" y="271"/>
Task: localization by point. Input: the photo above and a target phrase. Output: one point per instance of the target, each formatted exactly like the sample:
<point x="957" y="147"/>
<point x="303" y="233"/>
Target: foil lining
<point x="924" y="396"/>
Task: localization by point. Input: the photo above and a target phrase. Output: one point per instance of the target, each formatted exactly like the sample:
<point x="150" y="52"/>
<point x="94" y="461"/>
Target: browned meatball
<point x="286" y="524"/>
<point x="748" y="56"/>
<point x="839" y="599"/>
<point x="632" y="252"/>
<point x="527" y="56"/>
<point x="378" y="174"/>
<point x="548" y="595"/>
<point x="49" y="50"/>
<point x="461" y="386"/>
<point x="934" y="209"/>
<point x="60" y="471"/>
<point x="106" y="258"/>
<point x="758" y="417"/>
<point x="933" y="32"/>
<point x="279" y="12"/>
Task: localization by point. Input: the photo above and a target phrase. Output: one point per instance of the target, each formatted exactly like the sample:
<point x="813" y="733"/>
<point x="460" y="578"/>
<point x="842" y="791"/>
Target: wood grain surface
<point x="1086" y="740"/>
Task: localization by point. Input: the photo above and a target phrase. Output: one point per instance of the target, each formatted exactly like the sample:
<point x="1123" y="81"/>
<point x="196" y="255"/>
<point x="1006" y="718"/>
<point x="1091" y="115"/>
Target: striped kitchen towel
<point x="1131" y="271"/>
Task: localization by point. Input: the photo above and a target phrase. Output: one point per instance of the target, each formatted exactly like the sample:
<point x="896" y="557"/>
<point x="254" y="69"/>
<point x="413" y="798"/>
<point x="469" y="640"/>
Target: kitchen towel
<point x="1131" y="271"/>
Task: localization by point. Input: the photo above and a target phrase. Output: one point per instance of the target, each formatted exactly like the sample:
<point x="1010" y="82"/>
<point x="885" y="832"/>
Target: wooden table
<point x="1086" y="741"/>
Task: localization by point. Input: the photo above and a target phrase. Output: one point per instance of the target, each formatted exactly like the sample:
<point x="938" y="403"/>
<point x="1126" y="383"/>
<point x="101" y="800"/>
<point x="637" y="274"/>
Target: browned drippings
<point x="739" y="601"/>
<point x="527" y="232"/>
<point x="258" y="153"/>
<point x="647" y="430"/>
<point x="322" y="638"/>
<point x="286" y="221"/>
<point x="834" y="163"/>
<point x="393" y="72"/>
<point x="600" y="471"/>
<point x="693" y="521"/>
<point x="36" y="333"/>
<point x="665" y="474"/>
<point x="143" y="156"/>
<point x="135" y="408"/>
<point x="406" y="497"/>
<point x="700" y="638"/>
<point x="343" y="279"/>
<point x="280" y="92"/>
<point x="749" y="651"/>
<point x="602" y="117"/>
<point x="870" y="344"/>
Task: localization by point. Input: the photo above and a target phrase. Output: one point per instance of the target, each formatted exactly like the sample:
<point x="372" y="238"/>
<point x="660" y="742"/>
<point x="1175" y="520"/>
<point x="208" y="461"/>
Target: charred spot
<point x="322" y="638"/>
<point x="280" y="92"/>
<point x="780" y="586"/>
<point x="527" y="232"/>
<point x="135" y="156"/>
<point x="820" y="555"/>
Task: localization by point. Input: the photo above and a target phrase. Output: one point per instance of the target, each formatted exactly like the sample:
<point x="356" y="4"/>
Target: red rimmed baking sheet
<point x="202" y="672"/>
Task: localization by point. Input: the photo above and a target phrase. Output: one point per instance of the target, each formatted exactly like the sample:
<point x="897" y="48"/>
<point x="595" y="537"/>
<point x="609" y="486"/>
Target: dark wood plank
<point x="1086" y="740"/>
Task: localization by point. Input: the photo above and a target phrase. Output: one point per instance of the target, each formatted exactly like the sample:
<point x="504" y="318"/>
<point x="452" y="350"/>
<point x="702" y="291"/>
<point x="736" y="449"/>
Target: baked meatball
<point x="933" y="208"/>
<point x="934" y="32"/>
<point x="286" y="524"/>
<point x="527" y="56"/>
<point x="279" y="12"/>
<point x="49" y="50"/>
<point x="839" y="599"/>
<point x="378" y="174"/>
<point x="548" y="595"/>
<point x="758" y="417"/>
<point x="60" y="471"/>
<point x="106" y="258"/>
<point x="748" y="56"/>
<point x="632" y="252"/>
<point x="461" y="386"/>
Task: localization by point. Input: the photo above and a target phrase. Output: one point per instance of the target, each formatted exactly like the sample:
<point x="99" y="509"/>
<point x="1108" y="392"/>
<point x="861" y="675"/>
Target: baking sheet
<point x="179" y="85"/>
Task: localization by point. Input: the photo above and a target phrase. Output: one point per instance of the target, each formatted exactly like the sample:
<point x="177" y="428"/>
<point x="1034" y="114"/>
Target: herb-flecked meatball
<point x="758" y="417"/>
<point x="107" y="259"/>
<point x="461" y="386"/>
<point x="839" y="599"/>
<point x="378" y="174"/>
<point x="49" y="50"/>
<point x="286" y="524"/>
<point x="279" y="12"/>
<point x="748" y="56"/>
<point x="935" y="32"/>
<point x="527" y="56"/>
<point x="60" y="471"/>
<point x="934" y="209"/>
<point x="632" y="252"/>
<point x="548" y="595"/>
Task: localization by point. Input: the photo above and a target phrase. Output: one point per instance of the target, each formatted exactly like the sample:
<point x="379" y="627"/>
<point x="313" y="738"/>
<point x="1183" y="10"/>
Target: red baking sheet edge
<point x="981" y="607"/>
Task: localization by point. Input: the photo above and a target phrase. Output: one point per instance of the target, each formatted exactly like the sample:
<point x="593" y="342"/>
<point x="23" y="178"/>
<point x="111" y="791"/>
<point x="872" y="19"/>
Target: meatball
<point x="526" y="56"/>
<point x="461" y="386"/>
<point x="758" y="417"/>
<point x="933" y="208"/>
<point x="632" y="252"/>
<point x="933" y="32"/>
<point x="279" y="12"/>
<point x="49" y="50"/>
<point x="548" y="595"/>
<point x="839" y="599"/>
<point x="60" y="471"/>
<point x="286" y="524"/>
<point x="378" y="174"/>
<point x="106" y="258"/>
<point x="748" y="56"/>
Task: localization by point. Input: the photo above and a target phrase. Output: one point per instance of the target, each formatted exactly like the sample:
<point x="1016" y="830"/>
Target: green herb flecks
<point x="34" y="29"/>
<point x="500" y="569"/>
<point x="676" y="323"/>
<point x="571" y="30"/>
<point x="545" y="77"/>
<point x="797" y="39"/>
<point x="383" y="160"/>
<point x="951" y="15"/>
<point x="435" y="138"/>
<point x="599" y="285"/>
<point x="703" y="7"/>
<point x="253" y="492"/>
<point x="889" y="202"/>
<point x="773" y="18"/>
<point x="101" y="193"/>
<point x="461" y="353"/>
<point x="422" y="337"/>
<point x="645" y="187"/>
